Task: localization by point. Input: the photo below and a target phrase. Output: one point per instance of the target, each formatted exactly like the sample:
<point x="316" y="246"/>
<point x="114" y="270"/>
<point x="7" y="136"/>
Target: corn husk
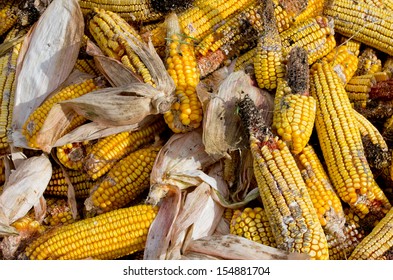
<point x="23" y="190"/>
<point x="50" y="52"/>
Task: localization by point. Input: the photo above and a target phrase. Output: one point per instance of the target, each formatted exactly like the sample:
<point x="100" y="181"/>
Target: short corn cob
<point x="368" y="63"/>
<point x="87" y="66"/>
<point x="352" y="45"/>
<point x="111" y="33"/>
<point x="8" y="16"/>
<point x="341" y="144"/>
<point x="186" y="113"/>
<point x="107" y="151"/>
<point x="253" y="224"/>
<point x="326" y="202"/>
<point x="130" y="10"/>
<point x="108" y="236"/>
<point x="125" y="181"/>
<point x="36" y="119"/>
<point x="58" y="186"/>
<point x="344" y="62"/>
<point x="375" y="244"/>
<point x="58" y="213"/>
<point x="315" y="35"/>
<point x="358" y="88"/>
<point x="362" y="22"/>
<point x="288" y="205"/>
<point x="71" y="155"/>
<point x="375" y="147"/>
<point x="294" y="108"/>
<point x="314" y="8"/>
<point x="268" y="62"/>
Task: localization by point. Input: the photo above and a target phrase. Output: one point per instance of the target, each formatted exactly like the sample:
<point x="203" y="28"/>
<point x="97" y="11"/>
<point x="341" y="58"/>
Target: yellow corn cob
<point x="343" y="61"/>
<point x="253" y="224"/>
<point x="368" y="63"/>
<point x="341" y="144"/>
<point x="352" y="45"/>
<point x="246" y="60"/>
<point x="375" y="244"/>
<point x="87" y="66"/>
<point x="326" y="202"/>
<point x="294" y="108"/>
<point x="376" y="150"/>
<point x="288" y="205"/>
<point x="111" y="32"/>
<point x="58" y="186"/>
<point x="125" y="181"/>
<point x="107" y="151"/>
<point x="362" y="22"/>
<point x="108" y="236"/>
<point x="268" y="62"/>
<point x="58" y="213"/>
<point x="130" y="10"/>
<point x="36" y="119"/>
<point x="186" y="112"/>
<point x="314" y="8"/>
<point x="8" y="16"/>
<point x="358" y="88"/>
<point x="71" y="155"/>
<point x="315" y="35"/>
<point x="28" y="225"/>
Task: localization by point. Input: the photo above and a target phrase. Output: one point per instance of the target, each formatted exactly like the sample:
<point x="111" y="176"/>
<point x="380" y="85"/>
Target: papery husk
<point x="24" y="188"/>
<point x="53" y="47"/>
<point x="197" y="256"/>
<point x="233" y="247"/>
<point x="222" y="130"/>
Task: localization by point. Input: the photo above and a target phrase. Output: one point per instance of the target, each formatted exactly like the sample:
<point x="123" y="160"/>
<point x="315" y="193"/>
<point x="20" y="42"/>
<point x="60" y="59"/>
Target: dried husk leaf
<point x="197" y="256"/>
<point x="52" y="51"/>
<point x="24" y="188"/>
<point x="233" y="247"/>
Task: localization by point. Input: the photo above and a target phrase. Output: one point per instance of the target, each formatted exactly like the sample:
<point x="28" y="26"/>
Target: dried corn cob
<point x="112" y="33"/>
<point x="294" y="108"/>
<point x="125" y="181"/>
<point x="8" y="15"/>
<point x="343" y="150"/>
<point x="107" y="151"/>
<point x="362" y="22"/>
<point x="375" y="147"/>
<point x="186" y="113"/>
<point x="268" y="62"/>
<point x="352" y="45"/>
<point x="253" y="224"/>
<point x="87" y="66"/>
<point x="375" y="244"/>
<point x="358" y="88"/>
<point x="343" y="61"/>
<point x="108" y="236"/>
<point x="58" y="213"/>
<point x="36" y="119"/>
<point x="315" y="35"/>
<point x="28" y="224"/>
<point x="71" y="155"/>
<point x="130" y="10"/>
<point x="58" y="186"/>
<point x="368" y="63"/>
<point x="288" y="205"/>
<point x="314" y="8"/>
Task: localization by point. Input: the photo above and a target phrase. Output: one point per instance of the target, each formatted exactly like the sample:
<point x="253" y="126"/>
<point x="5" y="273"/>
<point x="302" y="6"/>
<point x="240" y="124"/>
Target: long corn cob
<point x="341" y="144"/>
<point x="107" y="151"/>
<point x="253" y="224"/>
<point x="130" y="10"/>
<point x="8" y="16"/>
<point x="36" y="119"/>
<point x="108" y="236"/>
<point x="125" y="181"/>
<point x="111" y="33"/>
<point x="362" y="22"/>
<point x="288" y="205"/>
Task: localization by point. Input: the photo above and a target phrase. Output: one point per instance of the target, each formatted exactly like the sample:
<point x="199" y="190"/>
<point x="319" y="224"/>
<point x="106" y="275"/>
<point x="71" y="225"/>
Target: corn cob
<point x="108" y="236"/>
<point x="186" y="113"/>
<point x="294" y="109"/>
<point x="362" y="22"/>
<point x="288" y="205"/>
<point x="125" y="181"/>
<point x="71" y="155"/>
<point x="375" y="147"/>
<point x="8" y="16"/>
<point x="58" y="213"/>
<point x="58" y="186"/>
<point x="107" y="151"/>
<point x="253" y="224"/>
<point x="343" y="61"/>
<point x="130" y="10"/>
<point x="314" y="8"/>
<point x="375" y="244"/>
<point x="358" y="88"/>
<point x="87" y="66"/>
<point x="268" y="62"/>
<point x="111" y="33"/>
<point x="341" y="144"/>
<point x="29" y="225"/>
<point x="352" y="45"/>
<point x="246" y="60"/>
<point x="36" y="119"/>
<point x="368" y="63"/>
<point x="315" y="35"/>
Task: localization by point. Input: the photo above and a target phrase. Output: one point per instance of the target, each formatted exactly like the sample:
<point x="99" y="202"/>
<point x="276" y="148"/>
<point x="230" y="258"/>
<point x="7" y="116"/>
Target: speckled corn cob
<point x="58" y="213"/>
